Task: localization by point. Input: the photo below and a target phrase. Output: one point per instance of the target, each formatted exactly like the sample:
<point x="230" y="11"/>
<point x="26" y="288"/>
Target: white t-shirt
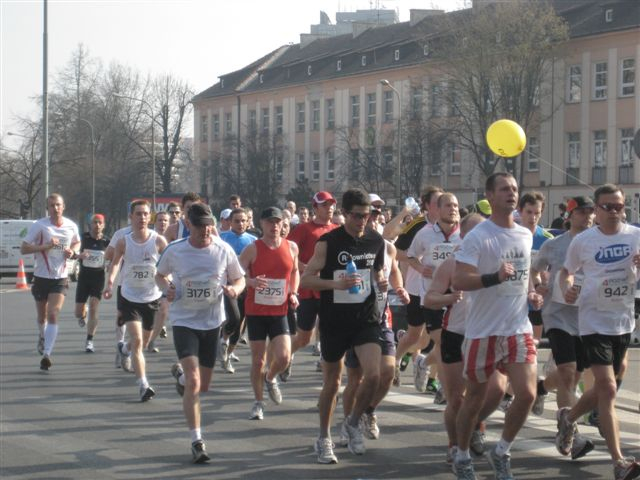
<point x="52" y="263"/>
<point x="606" y="300"/>
<point x="501" y="310"/>
<point x="198" y="274"/>
<point x="432" y="247"/>
<point x="139" y="269"/>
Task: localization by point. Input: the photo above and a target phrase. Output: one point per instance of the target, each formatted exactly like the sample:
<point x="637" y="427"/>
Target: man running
<point x="348" y="314"/>
<point x="179" y="229"/>
<point x="139" y="251"/>
<point x="53" y="240"/>
<point x="203" y="268"/>
<point x="271" y="266"/>
<point x="91" y="278"/>
<point x="609" y="256"/>
<point x="161" y="222"/>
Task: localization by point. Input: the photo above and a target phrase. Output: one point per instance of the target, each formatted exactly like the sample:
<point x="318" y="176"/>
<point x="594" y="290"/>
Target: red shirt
<point x="276" y="264"/>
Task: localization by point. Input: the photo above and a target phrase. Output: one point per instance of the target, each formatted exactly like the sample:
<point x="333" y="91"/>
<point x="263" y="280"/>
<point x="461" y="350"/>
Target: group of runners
<point x="478" y="292"/>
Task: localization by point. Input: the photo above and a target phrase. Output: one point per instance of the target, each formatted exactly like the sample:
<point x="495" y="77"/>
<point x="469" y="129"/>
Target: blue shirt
<point x="237" y="242"/>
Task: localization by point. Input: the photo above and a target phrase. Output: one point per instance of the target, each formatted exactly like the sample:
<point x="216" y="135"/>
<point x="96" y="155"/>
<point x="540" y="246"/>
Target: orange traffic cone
<point x="21" y="281"/>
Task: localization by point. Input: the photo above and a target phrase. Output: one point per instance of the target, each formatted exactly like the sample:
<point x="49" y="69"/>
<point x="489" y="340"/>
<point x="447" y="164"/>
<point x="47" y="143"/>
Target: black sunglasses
<point x="612" y="207"/>
<point x="359" y="216"/>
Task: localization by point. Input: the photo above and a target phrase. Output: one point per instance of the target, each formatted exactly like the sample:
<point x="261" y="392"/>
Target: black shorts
<point x="307" y="313"/>
<point x="42" y="287"/>
<point x="197" y="343"/>
<point x="89" y="286"/>
<point x="415" y="313"/>
<point x="606" y="349"/>
<point x="567" y="348"/>
<point x="119" y="298"/>
<point x="234" y="311"/>
<point x="262" y="326"/>
<point x="451" y="347"/>
<point x="338" y="337"/>
<point x="535" y="317"/>
<point x="292" y="319"/>
<point x="433" y="319"/>
<point x="387" y="344"/>
<point x="135" y="312"/>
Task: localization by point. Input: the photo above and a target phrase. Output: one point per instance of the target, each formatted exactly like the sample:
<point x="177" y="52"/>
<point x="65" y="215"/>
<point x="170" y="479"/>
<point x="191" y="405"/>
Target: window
<point x="600" y="148"/>
<point x="574" y="84"/>
<point x="315" y="167"/>
<point x="416" y="102"/>
<point x="533" y="154"/>
<point x="608" y="15"/>
<point x="331" y="165"/>
<point x="339" y="65"/>
<point x="363" y="61"/>
<point x="300" y="116"/>
<point x="355" y="110"/>
<point x="388" y="106"/>
<point x="279" y="120"/>
<point x="216" y="126"/>
<point x="626" y="145"/>
<point x="371" y="109"/>
<point x="331" y="114"/>
<point x="227" y="124"/>
<point x="387" y="162"/>
<point x="396" y="55"/>
<point x="265" y="120"/>
<point x="261" y="78"/>
<point x="315" y="115"/>
<point x="627" y="77"/>
<point x="455" y="163"/>
<point x="204" y="128"/>
<point x="600" y="81"/>
<point x="573" y="150"/>
<point x="279" y="166"/>
<point x="426" y="49"/>
<point x="253" y="121"/>
<point x="436" y="100"/>
<point x="300" y="166"/>
<point x="309" y="70"/>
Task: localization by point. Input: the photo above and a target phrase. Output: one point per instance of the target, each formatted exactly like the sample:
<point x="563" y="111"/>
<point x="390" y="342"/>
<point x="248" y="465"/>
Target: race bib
<point x="95" y="259"/>
<point x="273" y="294"/>
<point x="556" y="296"/>
<point x="440" y="252"/>
<point x="141" y="276"/>
<point x="343" y="296"/>
<point x="57" y="251"/>
<point x="616" y="294"/>
<point x="199" y="294"/>
<point x="518" y="283"/>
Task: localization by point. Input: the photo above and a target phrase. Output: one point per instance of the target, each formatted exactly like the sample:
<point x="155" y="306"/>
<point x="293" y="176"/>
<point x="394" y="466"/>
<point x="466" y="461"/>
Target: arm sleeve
<point x="469" y="251"/>
<point x="32" y="233"/>
<point x="572" y="261"/>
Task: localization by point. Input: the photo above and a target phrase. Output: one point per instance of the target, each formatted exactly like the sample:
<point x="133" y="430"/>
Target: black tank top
<point x="87" y="242"/>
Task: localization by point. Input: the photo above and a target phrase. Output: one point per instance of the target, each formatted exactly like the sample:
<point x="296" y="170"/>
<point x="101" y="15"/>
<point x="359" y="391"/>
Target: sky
<point x="196" y="40"/>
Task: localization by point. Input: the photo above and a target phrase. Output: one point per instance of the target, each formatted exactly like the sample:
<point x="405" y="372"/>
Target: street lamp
<point x="153" y="143"/>
<point x="386" y="83"/>
<point x="93" y="165"/>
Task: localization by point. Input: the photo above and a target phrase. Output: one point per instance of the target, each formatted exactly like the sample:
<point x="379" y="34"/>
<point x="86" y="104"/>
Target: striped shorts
<point x="482" y="356"/>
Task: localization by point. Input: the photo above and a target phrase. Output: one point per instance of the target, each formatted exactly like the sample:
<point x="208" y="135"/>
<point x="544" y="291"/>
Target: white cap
<point x="224" y="214"/>
<point x="374" y="197"/>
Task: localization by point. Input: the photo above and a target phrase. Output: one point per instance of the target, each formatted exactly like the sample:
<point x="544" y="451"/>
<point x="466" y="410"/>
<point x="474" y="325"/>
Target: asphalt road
<point x="82" y="419"/>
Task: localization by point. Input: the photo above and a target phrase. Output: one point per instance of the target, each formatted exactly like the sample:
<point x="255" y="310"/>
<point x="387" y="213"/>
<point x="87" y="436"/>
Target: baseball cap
<point x="483" y="207"/>
<point x="225" y="214"/>
<point x="322" y="197"/>
<point x="374" y="197"/>
<point x="579" y="202"/>
<point x="200" y="214"/>
<point x="271" y="212"/>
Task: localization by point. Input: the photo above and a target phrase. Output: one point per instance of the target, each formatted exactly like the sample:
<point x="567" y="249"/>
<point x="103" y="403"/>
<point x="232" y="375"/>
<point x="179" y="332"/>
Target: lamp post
<point x="93" y="165"/>
<point x="153" y="144"/>
<point x="386" y="83"/>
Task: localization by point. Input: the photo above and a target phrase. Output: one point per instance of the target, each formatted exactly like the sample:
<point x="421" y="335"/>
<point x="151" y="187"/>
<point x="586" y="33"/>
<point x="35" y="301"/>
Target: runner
<point x="179" y="229"/>
<point x="175" y="212"/>
<point x="271" y="266"/>
<point x="203" y="268"/>
<point x="161" y="222"/>
<point x="348" y="313"/>
<point x="160" y="226"/>
<point x="609" y="256"/>
<point x="492" y="266"/>
<point x="53" y="240"/>
<point x="91" y="278"/>
<point x="139" y="251"/>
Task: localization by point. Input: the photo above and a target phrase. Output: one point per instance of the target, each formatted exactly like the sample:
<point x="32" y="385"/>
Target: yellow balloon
<point x="506" y="138"/>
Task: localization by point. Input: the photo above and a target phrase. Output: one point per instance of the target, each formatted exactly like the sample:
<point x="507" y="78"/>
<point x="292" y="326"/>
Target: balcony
<point x="598" y="175"/>
<point x="625" y="174"/>
<point x="572" y="176"/>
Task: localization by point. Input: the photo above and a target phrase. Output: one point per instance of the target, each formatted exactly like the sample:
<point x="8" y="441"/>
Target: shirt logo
<point x="613" y="253"/>
<point x="344" y="257"/>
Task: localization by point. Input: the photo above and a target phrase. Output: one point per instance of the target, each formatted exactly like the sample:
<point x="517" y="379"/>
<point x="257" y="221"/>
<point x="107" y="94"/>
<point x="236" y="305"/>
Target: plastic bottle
<point x="351" y="270"/>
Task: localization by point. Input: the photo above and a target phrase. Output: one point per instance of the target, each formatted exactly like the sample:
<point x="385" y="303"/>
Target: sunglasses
<point x="612" y="207"/>
<point x="359" y="216"/>
<point x="174" y="212"/>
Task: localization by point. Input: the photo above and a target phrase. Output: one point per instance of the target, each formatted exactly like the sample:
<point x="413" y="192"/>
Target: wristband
<point x="490" y="279"/>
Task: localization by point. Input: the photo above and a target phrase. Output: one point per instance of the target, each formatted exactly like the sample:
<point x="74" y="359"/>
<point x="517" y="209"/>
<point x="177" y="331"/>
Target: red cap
<point x="322" y="197"/>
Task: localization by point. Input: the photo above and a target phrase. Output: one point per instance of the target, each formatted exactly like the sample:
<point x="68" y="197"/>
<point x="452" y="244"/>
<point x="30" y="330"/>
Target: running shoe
<point x="227" y="367"/>
<point x="538" y="405"/>
<point x="316" y="350"/>
<point x="356" y="439"/>
<point x="324" y="449"/>
<point x="439" y="398"/>
<point x="152" y="347"/>
<point x="125" y="358"/>
<point x="477" y="443"/>
<point x="257" y="411"/>
<point x="177" y="372"/>
<point x="234" y="357"/>
<point x="82" y="321"/>
<point x="199" y="452"/>
<point x="369" y="426"/>
<point x="223" y="351"/>
<point x="45" y="362"/>
<point x="566" y="432"/>
<point x="118" y="360"/>
<point x="626" y="469"/>
<point x="420" y="374"/>
<point x="451" y="455"/>
<point x="433" y="386"/>
<point x="464" y="470"/>
<point x="163" y="332"/>
<point x="88" y="346"/>
<point x="581" y="446"/>
<point x="146" y="393"/>
<point x="505" y="403"/>
<point x="284" y="376"/>
<point x="40" y="347"/>
<point x="273" y="389"/>
<point x="319" y="366"/>
<point x="501" y="464"/>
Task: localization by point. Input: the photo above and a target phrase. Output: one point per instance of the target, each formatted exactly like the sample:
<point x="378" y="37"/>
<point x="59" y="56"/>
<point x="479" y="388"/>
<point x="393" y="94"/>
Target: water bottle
<point x="351" y="270"/>
<point x="412" y="205"/>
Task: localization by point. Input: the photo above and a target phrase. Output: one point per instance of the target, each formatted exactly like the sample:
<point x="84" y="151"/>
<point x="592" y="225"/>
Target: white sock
<point x="463" y="455"/>
<point x="181" y="380"/>
<point x="41" y="327"/>
<point x="50" y="335"/>
<point x="503" y="447"/>
<point x="143" y="382"/>
<point x="419" y="360"/>
<point x="120" y="331"/>
<point x="125" y="349"/>
<point x="195" y="435"/>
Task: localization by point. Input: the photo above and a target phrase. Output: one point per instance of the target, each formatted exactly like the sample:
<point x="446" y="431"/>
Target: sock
<point x="503" y="447"/>
<point x="181" y="380"/>
<point x="89" y="337"/>
<point x="541" y="390"/>
<point x="195" y="435"/>
<point x="120" y="334"/>
<point x="50" y="335"/>
<point x="143" y="382"/>
<point x="369" y="410"/>
<point x="463" y="455"/>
